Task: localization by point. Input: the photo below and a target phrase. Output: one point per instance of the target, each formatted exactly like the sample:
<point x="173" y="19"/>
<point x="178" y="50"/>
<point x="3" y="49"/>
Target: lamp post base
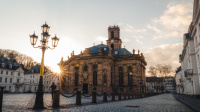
<point x="39" y="104"/>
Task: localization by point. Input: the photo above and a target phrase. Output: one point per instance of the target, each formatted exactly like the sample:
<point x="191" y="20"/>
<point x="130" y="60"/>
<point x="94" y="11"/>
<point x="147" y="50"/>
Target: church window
<point x="130" y="80"/>
<point x="76" y="68"/>
<point x="112" y="46"/>
<point x="85" y="68"/>
<point x="104" y="79"/>
<point x="121" y="82"/>
<point x="129" y="68"/>
<point x="112" y="34"/>
<point x="76" y="79"/>
<point x="94" y="78"/>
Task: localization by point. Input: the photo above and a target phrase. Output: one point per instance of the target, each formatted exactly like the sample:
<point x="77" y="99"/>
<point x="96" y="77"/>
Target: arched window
<point x="121" y="79"/>
<point x="94" y="78"/>
<point x="130" y="80"/>
<point x="76" y="79"/>
<point x="85" y="68"/>
<point x="112" y="34"/>
<point x="112" y="46"/>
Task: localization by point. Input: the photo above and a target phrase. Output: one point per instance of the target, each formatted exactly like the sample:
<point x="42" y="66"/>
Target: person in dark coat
<point x="53" y="87"/>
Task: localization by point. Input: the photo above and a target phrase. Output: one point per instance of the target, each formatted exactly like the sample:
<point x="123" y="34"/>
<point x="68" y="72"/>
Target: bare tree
<point x="152" y="71"/>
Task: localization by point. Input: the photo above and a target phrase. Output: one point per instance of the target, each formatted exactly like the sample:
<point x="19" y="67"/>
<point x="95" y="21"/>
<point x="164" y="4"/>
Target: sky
<point x="155" y="27"/>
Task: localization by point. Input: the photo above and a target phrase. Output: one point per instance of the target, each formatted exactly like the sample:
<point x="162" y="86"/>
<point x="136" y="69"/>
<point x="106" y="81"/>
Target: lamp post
<point x="141" y="83"/>
<point x="44" y="46"/>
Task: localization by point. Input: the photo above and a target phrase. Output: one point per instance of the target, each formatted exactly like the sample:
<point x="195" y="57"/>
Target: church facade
<point x="107" y="68"/>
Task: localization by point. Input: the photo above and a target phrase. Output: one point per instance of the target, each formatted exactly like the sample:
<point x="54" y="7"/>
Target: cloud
<point x="176" y="15"/>
<point x="164" y="54"/>
<point x="100" y="39"/>
<point x="154" y="28"/>
<point x="138" y="41"/>
<point x="174" y="21"/>
<point x="129" y="28"/>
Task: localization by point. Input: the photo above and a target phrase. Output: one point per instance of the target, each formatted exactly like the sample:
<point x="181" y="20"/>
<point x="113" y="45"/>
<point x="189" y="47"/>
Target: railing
<point x="188" y="72"/>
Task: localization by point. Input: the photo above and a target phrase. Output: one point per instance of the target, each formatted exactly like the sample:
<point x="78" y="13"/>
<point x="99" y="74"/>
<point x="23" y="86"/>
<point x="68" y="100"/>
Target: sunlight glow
<point x="56" y="69"/>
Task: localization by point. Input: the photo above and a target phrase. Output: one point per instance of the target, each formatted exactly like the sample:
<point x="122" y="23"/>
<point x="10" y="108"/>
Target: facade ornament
<point x="62" y="60"/>
<point x="133" y="51"/>
<point x="124" y="52"/>
<point x="138" y="52"/>
<point x="99" y="49"/>
<point x="81" y="52"/>
<point x="142" y="54"/>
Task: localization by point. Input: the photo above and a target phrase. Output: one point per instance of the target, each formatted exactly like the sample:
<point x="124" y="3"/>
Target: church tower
<point x="114" y="41"/>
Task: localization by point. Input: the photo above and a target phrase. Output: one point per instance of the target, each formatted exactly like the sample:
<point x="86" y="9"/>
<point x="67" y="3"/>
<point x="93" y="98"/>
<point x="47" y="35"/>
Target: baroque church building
<point x="107" y="68"/>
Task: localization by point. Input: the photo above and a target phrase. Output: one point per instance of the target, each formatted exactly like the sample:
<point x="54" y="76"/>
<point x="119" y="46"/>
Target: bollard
<point x="1" y="98"/>
<point x="113" y="96"/>
<point x="78" y="98"/>
<point x="129" y="96"/>
<point x="104" y="97"/>
<point x="94" y="97"/>
<point x="56" y="99"/>
<point x="124" y="96"/>
<point x="119" y="96"/>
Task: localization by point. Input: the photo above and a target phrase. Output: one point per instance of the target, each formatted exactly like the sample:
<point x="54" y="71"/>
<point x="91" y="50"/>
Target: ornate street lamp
<point x="141" y="83"/>
<point x="44" y="46"/>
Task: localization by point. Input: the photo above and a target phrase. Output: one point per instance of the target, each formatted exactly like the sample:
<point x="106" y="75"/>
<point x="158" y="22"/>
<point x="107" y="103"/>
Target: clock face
<point x="111" y="41"/>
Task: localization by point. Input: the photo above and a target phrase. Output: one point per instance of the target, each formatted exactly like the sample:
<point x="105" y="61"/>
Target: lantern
<point x="33" y="39"/>
<point x="45" y="28"/>
<point x="55" y="41"/>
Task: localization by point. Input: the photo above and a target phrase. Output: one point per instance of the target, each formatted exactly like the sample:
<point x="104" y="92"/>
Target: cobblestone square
<point x="159" y="103"/>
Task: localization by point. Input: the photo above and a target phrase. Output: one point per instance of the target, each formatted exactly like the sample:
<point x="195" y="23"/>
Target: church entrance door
<point x="85" y="88"/>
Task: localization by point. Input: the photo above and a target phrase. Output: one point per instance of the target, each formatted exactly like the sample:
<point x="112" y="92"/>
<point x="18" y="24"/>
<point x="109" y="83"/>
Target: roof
<point x="105" y="49"/>
<point x="121" y="52"/>
<point x="34" y="70"/>
<point x="7" y="63"/>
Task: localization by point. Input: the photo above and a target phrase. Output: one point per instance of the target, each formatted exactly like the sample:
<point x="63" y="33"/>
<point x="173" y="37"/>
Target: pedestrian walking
<point x="53" y="87"/>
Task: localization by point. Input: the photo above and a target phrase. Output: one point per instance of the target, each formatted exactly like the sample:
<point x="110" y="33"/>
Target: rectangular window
<point x="0" y="79"/>
<point x="18" y="74"/>
<point x="5" y="80"/>
<point x="10" y="80"/>
<point x="17" y="80"/>
<point x="11" y="73"/>
<point x="6" y="72"/>
<point x="2" y="72"/>
<point x="10" y="88"/>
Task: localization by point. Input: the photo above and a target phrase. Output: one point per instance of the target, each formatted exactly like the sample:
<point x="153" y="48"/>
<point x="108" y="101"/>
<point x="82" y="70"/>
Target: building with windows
<point x="11" y="75"/>
<point x="32" y="77"/>
<point x="108" y="68"/>
<point x="188" y="78"/>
